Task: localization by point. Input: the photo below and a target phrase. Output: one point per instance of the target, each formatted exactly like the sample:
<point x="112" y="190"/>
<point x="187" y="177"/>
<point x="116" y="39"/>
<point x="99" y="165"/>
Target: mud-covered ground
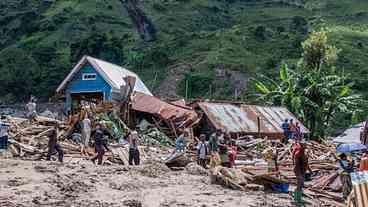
<point x="80" y="183"/>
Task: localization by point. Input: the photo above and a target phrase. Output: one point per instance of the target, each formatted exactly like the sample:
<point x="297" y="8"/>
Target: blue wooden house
<point x="96" y="80"/>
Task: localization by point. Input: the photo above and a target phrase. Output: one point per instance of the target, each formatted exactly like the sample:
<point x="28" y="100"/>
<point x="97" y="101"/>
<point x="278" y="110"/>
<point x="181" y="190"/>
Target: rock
<point x="255" y="187"/>
<point x="195" y="169"/>
<point x="154" y="170"/>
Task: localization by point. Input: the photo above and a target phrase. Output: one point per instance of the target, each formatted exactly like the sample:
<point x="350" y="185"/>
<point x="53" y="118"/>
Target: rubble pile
<point x="251" y="171"/>
<point x="153" y="169"/>
<point x="29" y="140"/>
<point x="195" y="169"/>
<point x="154" y="137"/>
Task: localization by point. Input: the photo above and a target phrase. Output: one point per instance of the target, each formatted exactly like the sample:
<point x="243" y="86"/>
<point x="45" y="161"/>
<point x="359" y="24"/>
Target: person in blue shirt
<point x="202" y="151"/>
<point x="285" y="128"/>
<point x="180" y="142"/>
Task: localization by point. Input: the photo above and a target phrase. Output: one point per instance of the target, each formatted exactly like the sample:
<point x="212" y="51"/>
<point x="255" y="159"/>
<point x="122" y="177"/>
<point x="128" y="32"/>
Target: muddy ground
<point x="79" y="182"/>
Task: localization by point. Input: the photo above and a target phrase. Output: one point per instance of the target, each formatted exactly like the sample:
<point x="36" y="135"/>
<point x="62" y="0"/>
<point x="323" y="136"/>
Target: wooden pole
<point x="210" y="91"/>
<point x="259" y="126"/>
<point x="186" y="89"/>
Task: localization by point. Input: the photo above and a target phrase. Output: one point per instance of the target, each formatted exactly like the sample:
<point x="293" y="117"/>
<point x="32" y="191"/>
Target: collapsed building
<point x="96" y="81"/>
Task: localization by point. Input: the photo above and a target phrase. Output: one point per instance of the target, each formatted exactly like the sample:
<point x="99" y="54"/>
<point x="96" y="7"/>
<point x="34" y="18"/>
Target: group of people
<point x="291" y="130"/>
<point x="98" y="134"/>
<point x="217" y="149"/>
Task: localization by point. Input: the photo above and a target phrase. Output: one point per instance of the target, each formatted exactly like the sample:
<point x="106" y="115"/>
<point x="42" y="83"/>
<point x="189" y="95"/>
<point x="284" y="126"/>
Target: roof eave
<point x="76" y="68"/>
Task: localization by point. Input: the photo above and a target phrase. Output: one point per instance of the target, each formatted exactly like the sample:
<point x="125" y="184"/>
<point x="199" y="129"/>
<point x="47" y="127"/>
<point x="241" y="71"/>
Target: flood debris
<point x="158" y="124"/>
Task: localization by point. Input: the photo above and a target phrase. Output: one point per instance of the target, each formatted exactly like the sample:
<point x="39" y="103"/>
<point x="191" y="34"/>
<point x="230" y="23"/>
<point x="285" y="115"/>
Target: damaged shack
<point x="93" y="81"/>
<point x="244" y="120"/>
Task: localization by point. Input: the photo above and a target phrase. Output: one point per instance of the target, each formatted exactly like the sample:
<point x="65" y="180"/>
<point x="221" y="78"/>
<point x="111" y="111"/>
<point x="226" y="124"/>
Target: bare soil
<point x="79" y="182"/>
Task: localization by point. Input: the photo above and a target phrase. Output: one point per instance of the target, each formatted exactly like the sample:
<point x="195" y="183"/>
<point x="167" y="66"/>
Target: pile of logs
<point x="30" y="139"/>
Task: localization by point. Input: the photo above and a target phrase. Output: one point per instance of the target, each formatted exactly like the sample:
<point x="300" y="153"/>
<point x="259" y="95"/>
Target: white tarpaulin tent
<point x="351" y="135"/>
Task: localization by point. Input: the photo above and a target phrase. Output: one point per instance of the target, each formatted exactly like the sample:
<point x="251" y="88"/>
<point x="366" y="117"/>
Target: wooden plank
<point x="358" y="196"/>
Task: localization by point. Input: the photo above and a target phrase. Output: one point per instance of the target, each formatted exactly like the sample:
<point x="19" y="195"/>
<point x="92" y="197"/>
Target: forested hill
<point x="214" y="44"/>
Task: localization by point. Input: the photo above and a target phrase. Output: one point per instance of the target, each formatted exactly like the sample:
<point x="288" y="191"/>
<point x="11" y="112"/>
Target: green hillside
<point x="216" y="45"/>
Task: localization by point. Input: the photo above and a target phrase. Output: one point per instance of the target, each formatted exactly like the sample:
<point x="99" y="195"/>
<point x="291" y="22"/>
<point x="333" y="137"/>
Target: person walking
<point x="202" y="151"/>
<point x="100" y="144"/>
<point x="300" y="168"/>
<point x="54" y="146"/>
<point x="345" y="168"/>
<point x="86" y="134"/>
<point x="134" y="155"/>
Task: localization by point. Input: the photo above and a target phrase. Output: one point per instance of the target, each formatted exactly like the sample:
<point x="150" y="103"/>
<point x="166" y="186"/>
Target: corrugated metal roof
<point x="112" y="73"/>
<point x="227" y="117"/>
<point x="234" y="119"/>
<point x="271" y="117"/>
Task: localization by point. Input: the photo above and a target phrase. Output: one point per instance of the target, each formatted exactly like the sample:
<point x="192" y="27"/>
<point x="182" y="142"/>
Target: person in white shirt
<point x="134" y="155"/>
<point x="202" y="151"/>
<point x="3" y="133"/>
<point x="86" y="133"/>
<point x="31" y="109"/>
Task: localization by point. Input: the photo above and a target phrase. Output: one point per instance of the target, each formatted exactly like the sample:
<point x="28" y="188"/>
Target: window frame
<point x="86" y="78"/>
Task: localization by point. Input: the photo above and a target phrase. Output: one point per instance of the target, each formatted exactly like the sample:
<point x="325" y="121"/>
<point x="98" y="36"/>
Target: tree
<point x="314" y="91"/>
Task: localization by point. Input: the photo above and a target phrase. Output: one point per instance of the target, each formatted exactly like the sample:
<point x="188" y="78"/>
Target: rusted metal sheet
<point x="244" y="119"/>
<point x="228" y="117"/>
<point x="271" y="117"/>
<point x="181" y="117"/>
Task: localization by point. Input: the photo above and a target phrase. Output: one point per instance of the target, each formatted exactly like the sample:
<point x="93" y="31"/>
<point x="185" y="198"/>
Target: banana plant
<point x="314" y="96"/>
